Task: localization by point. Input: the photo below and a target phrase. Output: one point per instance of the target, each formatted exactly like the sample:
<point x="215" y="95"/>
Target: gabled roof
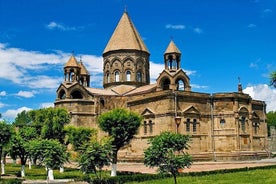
<point x="172" y="48"/>
<point x="72" y="62"/>
<point x="125" y="36"/>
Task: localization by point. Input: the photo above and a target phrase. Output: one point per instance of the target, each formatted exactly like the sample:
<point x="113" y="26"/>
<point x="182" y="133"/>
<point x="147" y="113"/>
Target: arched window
<point x="128" y="74"/>
<point x="145" y="127"/>
<point x="76" y="95"/>
<point x="62" y="94"/>
<point x="180" y="85"/>
<point x="150" y="126"/>
<point x="166" y="84"/>
<point x="172" y="64"/>
<point x="117" y="76"/>
<point x="194" y="125"/>
<point x="188" y="125"/>
<point x="107" y="77"/>
<point x="243" y="123"/>
<point x="139" y="77"/>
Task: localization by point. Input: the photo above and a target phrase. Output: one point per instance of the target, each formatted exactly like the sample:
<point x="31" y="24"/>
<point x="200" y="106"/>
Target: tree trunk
<point x="61" y="169"/>
<point x="2" y="167"/>
<point x="30" y="163"/>
<point x="50" y="174"/>
<point x="114" y="163"/>
<point x="174" y="177"/>
<point x="23" y="171"/>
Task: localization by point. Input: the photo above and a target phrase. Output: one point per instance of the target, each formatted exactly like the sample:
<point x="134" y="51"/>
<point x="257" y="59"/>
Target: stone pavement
<point x="198" y="166"/>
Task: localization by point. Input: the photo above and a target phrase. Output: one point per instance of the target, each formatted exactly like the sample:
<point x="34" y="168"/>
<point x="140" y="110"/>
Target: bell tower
<point x="172" y="57"/>
<point x="75" y="71"/>
<point x="126" y="57"/>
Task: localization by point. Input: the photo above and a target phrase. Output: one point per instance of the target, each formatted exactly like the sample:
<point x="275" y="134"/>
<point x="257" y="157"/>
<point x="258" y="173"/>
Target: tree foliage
<point x="273" y="78"/>
<point x="95" y="156"/>
<point x="6" y="132"/>
<point x="78" y="136"/>
<point x="22" y="119"/>
<point x="271" y="120"/>
<point x="49" y="152"/>
<point x="167" y="153"/>
<point x="121" y="125"/>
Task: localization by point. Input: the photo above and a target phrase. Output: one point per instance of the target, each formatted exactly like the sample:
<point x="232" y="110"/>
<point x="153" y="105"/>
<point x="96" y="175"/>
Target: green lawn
<point x="259" y="176"/>
<point x="38" y="172"/>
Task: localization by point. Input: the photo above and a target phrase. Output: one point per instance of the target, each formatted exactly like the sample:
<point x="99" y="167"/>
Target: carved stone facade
<point x="222" y="125"/>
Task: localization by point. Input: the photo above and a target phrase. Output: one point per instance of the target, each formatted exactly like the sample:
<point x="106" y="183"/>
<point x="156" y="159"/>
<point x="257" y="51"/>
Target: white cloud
<point x="1" y="105"/>
<point x="177" y="26"/>
<point x="47" y="104"/>
<point x="12" y="113"/>
<point x="196" y="86"/>
<point x="267" y="11"/>
<point x="34" y="69"/>
<point x="54" y="25"/>
<point x="198" y="30"/>
<point x="251" y="25"/>
<point x="263" y="92"/>
<point x="26" y="94"/>
<point x="255" y="64"/>
<point x="3" y="93"/>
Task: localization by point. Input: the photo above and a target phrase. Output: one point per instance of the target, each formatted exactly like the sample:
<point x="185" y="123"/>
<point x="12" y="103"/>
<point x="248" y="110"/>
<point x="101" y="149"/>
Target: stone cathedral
<point x="222" y="126"/>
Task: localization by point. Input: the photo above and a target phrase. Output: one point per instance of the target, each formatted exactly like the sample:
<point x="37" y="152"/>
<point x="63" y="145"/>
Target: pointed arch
<point x="180" y="84"/>
<point x="62" y="94"/>
<point x="165" y="83"/>
<point x="76" y="94"/>
<point x="128" y="75"/>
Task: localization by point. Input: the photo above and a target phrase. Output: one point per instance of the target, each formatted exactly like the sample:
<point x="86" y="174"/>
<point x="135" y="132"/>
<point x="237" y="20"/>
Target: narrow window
<point x="194" y="125"/>
<point x="107" y="78"/>
<point x="256" y="126"/>
<point x="117" y="76"/>
<point x="188" y="125"/>
<point x="243" y="124"/>
<point x="139" y="77"/>
<point x="150" y="126"/>
<point x="222" y="122"/>
<point x="128" y="74"/>
<point x="145" y="127"/>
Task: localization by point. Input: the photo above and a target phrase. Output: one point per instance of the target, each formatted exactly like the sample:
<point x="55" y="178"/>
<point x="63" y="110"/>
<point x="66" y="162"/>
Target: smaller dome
<point x="172" y="48"/>
<point x="72" y="62"/>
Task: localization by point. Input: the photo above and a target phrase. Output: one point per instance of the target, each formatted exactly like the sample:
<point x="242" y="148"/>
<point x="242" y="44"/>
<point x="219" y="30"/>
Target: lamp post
<point x="177" y="122"/>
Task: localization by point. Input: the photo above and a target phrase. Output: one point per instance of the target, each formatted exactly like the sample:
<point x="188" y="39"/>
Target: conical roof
<point x="125" y="36"/>
<point x="72" y="62"/>
<point x="172" y="48"/>
<point x="83" y="70"/>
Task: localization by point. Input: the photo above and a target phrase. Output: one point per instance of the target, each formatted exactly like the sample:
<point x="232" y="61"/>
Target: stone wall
<point x="272" y="139"/>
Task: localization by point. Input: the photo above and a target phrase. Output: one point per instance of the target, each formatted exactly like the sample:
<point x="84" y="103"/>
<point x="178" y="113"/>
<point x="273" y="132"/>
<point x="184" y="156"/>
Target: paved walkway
<point x="198" y="166"/>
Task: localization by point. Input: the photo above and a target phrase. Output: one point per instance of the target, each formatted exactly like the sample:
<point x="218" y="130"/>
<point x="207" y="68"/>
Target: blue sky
<point x="219" y="40"/>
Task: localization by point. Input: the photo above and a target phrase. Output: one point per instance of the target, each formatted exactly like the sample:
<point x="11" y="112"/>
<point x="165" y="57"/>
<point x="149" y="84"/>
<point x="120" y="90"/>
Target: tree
<point x="50" y="122"/>
<point x="273" y="79"/>
<point x="95" y="156"/>
<point x="6" y="132"/>
<point x="56" y="119"/>
<point x="167" y="153"/>
<point x="78" y="136"/>
<point x="271" y="120"/>
<point x="121" y="125"/>
<point x="22" y="119"/>
<point x="51" y="153"/>
<point x="20" y="144"/>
